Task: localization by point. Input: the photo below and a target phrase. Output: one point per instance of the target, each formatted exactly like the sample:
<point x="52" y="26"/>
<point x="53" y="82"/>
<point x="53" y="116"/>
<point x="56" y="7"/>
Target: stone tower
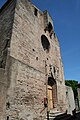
<point x="31" y="69"/>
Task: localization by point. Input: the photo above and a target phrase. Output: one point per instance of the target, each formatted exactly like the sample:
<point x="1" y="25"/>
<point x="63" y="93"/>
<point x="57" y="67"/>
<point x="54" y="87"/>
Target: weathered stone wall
<point x="78" y="90"/>
<point x="70" y="100"/>
<point x="6" y="21"/>
<point x="27" y="89"/>
<point x="30" y="62"/>
<point x="26" y="92"/>
<point x="61" y="89"/>
<point x="3" y="88"/>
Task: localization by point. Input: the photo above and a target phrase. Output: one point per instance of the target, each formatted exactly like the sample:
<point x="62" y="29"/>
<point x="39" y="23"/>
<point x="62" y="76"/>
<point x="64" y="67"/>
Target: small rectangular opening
<point x="7" y="117"/>
<point x="35" y="12"/>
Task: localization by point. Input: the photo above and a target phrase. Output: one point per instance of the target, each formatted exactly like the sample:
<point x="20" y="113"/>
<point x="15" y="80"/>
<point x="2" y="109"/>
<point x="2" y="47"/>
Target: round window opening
<point x="45" y="43"/>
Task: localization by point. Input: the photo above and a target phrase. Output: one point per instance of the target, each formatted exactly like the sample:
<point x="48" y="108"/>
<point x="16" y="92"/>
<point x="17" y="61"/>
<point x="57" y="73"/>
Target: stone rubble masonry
<point x="78" y="90"/>
<point x="23" y="75"/>
<point x="6" y="20"/>
<point x="70" y="100"/>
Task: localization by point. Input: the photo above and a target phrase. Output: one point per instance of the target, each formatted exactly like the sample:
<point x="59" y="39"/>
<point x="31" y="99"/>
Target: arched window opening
<point x="50" y="27"/>
<point x="51" y="81"/>
<point x="45" y="43"/>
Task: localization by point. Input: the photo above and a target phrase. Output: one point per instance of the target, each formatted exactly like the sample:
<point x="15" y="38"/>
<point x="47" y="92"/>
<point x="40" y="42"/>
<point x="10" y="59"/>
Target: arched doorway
<point x="52" y="93"/>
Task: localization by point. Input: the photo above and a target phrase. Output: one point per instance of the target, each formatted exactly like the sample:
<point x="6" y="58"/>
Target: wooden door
<point x="50" y="98"/>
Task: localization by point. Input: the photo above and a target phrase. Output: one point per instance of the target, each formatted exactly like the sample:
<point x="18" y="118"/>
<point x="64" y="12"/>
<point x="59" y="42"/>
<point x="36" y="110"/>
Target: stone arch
<point x="52" y="93"/>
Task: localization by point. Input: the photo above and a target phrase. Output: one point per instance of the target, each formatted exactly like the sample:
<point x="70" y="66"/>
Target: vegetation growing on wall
<point x="74" y="85"/>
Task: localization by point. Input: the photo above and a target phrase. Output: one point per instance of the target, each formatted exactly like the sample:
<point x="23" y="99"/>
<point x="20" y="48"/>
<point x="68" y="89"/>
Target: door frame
<point x="52" y="85"/>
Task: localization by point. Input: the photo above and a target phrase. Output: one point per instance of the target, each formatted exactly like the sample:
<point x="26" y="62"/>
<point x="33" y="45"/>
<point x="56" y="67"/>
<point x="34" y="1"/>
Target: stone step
<point x="54" y="113"/>
<point x="63" y="117"/>
<point x="57" y="115"/>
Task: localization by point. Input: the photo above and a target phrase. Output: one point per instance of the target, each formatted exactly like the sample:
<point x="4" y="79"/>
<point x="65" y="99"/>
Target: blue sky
<point x="66" y="18"/>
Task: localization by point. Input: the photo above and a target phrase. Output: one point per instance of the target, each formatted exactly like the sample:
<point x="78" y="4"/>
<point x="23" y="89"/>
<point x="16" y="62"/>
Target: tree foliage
<point x="74" y="85"/>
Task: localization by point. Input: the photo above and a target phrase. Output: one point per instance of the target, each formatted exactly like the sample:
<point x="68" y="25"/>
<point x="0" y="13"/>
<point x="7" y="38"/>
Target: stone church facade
<point x="31" y="68"/>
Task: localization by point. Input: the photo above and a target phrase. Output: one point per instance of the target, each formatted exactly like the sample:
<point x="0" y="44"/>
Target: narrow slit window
<point x="35" y="12"/>
<point x="7" y="117"/>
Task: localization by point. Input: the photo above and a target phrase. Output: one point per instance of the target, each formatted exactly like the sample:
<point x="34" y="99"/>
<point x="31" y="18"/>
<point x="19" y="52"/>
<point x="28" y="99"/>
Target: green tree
<point x="74" y="85"/>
